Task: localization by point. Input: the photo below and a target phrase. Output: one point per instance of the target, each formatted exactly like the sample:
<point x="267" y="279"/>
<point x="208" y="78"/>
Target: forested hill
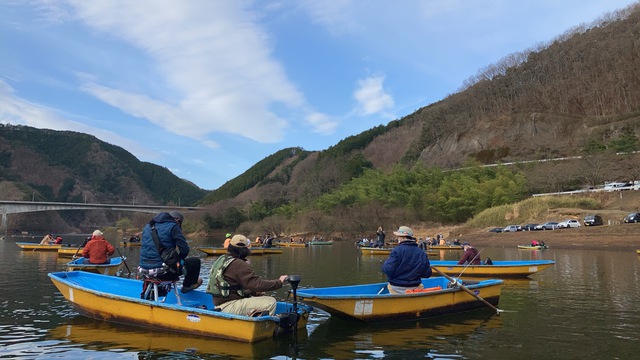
<point x="575" y="96"/>
<point x="48" y="165"/>
<point x="579" y="91"/>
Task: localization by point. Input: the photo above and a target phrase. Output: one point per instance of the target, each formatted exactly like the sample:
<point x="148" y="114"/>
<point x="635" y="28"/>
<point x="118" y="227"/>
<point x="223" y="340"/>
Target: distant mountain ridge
<point x="66" y="166"/>
<point x="579" y="92"/>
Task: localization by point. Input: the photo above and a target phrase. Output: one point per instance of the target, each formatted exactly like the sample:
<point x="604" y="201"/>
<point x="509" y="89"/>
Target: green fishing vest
<point x="218" y="286"/>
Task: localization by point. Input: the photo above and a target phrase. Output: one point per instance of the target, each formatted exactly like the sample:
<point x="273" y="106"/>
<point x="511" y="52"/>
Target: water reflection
<point x="101" y="336"/>
<point x="586" y="306"/>
<point x="345" y="339"/>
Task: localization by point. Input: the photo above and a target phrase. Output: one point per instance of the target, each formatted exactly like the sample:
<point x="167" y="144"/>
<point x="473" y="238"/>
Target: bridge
<point x="14" y="207"/>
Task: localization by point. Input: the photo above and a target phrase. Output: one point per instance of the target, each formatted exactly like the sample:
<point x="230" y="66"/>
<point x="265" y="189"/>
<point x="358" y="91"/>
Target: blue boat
<point x="114" y="265"/>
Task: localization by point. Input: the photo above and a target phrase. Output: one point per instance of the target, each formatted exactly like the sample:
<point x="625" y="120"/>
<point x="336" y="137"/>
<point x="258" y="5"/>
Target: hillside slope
<point x="578" y="93"/>
<point x="48" y="165"/>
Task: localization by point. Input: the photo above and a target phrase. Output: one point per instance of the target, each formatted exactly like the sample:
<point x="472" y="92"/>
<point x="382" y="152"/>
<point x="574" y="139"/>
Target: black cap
<point x="176" y="215"/>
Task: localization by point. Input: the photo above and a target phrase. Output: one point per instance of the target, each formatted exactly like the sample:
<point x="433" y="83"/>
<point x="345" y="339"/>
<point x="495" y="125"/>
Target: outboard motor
<point x="289" y="320"/>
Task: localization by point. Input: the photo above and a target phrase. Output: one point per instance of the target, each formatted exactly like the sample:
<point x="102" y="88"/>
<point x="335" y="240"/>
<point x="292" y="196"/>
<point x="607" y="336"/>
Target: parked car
<point x="512" y="228"/>
<point x="529" y="227"/>
<point x="549" y="225"/>
<point x="592" y="220"/>
<point x="632" y="218"/>
<point x="496" y="230"/>
<point x="570" y="223"/>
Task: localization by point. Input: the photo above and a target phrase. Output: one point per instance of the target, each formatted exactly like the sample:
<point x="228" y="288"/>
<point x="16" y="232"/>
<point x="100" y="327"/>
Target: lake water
<point x="586" y="306"/>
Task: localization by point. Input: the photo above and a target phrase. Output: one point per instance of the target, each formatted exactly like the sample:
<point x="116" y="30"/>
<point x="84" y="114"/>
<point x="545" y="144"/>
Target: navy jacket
<point x="406" y="265"/>
<point x="169" y="234"/>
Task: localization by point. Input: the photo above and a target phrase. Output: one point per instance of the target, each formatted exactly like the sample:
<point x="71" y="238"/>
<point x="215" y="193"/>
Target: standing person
<point x="168" y="227"/>
<point x="236" y="288"/>
<point x="97" y="250"/>
<point x="268" y="243"/>
<point x="226" y="241"/>
<point x="380" y="240"/>
<point x="471" y="255"/>
<point x="407" y="264"/>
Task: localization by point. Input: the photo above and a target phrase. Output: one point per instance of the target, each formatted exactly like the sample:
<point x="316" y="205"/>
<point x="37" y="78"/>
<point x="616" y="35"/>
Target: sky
<point x="209" y="88"/>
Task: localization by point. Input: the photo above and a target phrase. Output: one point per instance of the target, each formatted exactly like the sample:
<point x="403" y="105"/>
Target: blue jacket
<point x="406" y="265"/>
<point x="169" y="234"/>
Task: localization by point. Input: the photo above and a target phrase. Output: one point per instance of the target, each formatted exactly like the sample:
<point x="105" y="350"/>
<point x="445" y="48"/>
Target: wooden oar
<point x="76" y="254"/>
<point x="459" y="283"/>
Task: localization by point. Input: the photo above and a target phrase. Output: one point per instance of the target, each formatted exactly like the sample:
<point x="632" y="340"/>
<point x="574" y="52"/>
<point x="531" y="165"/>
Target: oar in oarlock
<point x="124" y="260"/>
<point x="76" y="254"/>
<point x="466" y="289"/>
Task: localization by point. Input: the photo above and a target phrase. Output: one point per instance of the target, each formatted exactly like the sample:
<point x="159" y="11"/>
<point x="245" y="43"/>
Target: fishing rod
<point x="469" y="263"/>
<point x="124" y="260"/>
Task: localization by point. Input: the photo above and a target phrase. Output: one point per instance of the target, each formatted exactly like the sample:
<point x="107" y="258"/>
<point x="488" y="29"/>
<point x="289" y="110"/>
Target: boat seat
<point x="157" y="290"/>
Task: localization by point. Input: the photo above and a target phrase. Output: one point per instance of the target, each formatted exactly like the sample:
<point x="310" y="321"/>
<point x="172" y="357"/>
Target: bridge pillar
<point x="3" y="225"/>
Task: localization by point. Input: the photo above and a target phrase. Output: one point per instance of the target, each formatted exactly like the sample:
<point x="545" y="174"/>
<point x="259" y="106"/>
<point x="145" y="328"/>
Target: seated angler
<point x="236" y="288"/>
<point x="164" y="231"/>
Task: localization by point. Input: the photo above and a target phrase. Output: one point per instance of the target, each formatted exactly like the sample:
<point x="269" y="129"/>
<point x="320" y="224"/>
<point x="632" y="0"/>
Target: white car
<point x="512" y="228"/>
<point x="571" y="223"/>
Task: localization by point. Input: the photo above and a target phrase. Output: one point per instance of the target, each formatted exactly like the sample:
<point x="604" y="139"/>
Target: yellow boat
<point x="69" y="252"/>
<point x="638" y="251"/>
<point x="128" y="243"/>
<point x="38" y="246"/>
<point x="212" y="250"/>
<point x="115" y="264"/>
<point x="387" y="251"/>
<point x="117" y="299"/>
<point x="372" y="302"/>
<point x="444" y="247"/>
<point x="292" y="244"/>
<point x="268" y="251"/>
<point x="520" y="268"/>
<point x="217" y="251"/>
<point x="533" y="247"/>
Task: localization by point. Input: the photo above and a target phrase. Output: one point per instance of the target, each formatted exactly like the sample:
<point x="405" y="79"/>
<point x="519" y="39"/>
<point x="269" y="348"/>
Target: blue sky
<point x="209" y="88"/>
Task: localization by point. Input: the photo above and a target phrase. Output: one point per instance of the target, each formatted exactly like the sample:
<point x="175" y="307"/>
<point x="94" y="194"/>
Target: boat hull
<point x="387" y="251"/>
<point x="38" y="246"/>
<point x="373" y="303"/>
<point x="532" y="247"/>
<point x="217" y="251"/>
<point x="127" y="243"/>
<point x="293" y="245"/>
<point x="67" y="252"/>
<point x="444" y="247"/>
<point x="116" y="299"/>
<point x="499" y="269"/>
<point x="314" y="243"/>
<point x="212" y="251"/>
<point x="115" y="264"/>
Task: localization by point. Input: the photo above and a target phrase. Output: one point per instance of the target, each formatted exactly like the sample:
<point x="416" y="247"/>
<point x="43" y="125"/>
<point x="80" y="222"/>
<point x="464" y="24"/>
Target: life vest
<point x="218" y="285"/>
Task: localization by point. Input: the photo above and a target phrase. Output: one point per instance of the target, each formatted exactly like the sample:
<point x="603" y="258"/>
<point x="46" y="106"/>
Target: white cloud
<point x="321" y="123"/>
<point x="213" y="58"/>
<point x="371" y="96"/>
